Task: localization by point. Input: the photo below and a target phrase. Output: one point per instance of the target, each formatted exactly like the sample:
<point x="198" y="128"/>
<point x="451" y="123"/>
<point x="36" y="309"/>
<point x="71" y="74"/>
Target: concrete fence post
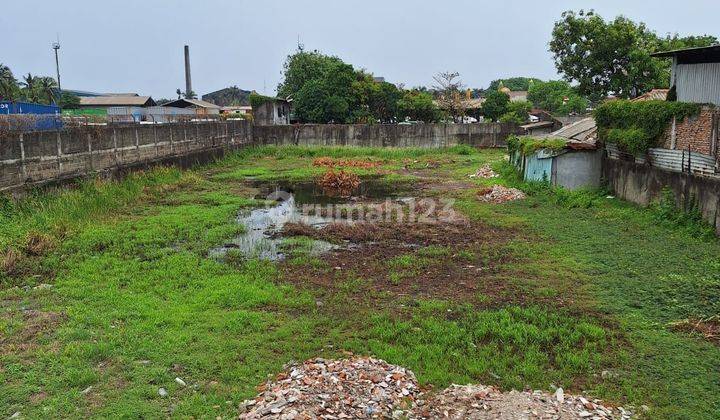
<point x="115" y="150"/>
<point x="157" y="145"/>
<point x="88" y="138"/>
<point x="58" y="144"/>
<point x="137" y="143"/>
<point x="23" y="168"/>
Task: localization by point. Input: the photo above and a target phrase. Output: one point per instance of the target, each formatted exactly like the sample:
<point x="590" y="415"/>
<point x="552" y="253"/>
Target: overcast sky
<point x="137" y="45"/>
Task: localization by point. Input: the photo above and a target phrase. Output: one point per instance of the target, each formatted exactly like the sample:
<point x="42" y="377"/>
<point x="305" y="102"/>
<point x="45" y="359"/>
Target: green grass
<point x="139" y="302"/>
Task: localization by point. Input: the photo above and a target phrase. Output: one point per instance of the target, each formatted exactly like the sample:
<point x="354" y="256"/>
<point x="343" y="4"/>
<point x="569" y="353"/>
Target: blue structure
<point x="47" y="117"/>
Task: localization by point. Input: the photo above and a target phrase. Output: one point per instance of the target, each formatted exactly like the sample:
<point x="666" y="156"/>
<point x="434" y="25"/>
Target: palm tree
<point x="8" y="90"/>
<point x="8" y="84"/>
<point x="5" y="73"/>
<point x="29" y="84"/>
<point x="46" y="89"/>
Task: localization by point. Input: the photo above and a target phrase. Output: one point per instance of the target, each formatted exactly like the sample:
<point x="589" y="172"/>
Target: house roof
<point x="709" y="54"/>
<point x="517" y="94"/>
<point x="116" y="100"/>
<point x="187" y="103"/>
<point x="584" y="131"/>
<point x="653" y="95"/>
<point x="539" y="124"/>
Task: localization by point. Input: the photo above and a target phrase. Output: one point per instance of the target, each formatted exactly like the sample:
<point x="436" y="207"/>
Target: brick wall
<point x="698" y="133"/>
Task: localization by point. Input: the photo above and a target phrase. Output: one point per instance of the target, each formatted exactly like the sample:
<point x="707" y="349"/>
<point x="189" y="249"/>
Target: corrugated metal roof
<point x="710" y="49"/>
<point x="116" y="100"/>
<point x="584" y="131"/>
<point x="538" y="124"/>
<point x="196" y="102"/>
<point x="653" y="95"/>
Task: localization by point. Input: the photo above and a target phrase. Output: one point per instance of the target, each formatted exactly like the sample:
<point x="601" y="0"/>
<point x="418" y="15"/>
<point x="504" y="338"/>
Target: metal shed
<point x="695" y="74"/>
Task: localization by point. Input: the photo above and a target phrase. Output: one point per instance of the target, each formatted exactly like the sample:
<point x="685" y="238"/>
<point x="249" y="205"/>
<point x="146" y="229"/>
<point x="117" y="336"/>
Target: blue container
<point x="47" y="117"/>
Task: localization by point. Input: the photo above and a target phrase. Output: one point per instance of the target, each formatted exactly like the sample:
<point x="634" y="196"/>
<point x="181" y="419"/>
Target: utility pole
<point x="56" y="47"/>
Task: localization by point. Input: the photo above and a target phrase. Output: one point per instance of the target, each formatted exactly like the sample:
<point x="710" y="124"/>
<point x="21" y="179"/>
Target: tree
<point x="29" y="91"/>
<point x="513" y="83"/>
<point x="448" y="87"/>
<point x="9" y="90"/>
<point x="495" y="105"/>
<point x="557" y="97"/>
<point x="46" y="87"/>
<point x="303" y="67"/>
<point x="68" y="101"/>
<point x="517" y="112"/>
<point x="190" y="95"/>
<point x="416" y="105"/>
<point x="611" y="57"/>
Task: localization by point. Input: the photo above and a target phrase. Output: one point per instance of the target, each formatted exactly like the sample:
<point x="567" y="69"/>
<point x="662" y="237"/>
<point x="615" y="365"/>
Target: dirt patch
<point x="708" y="328"/>
<point x="35" y="325"/>
<point x="456" y="261"/>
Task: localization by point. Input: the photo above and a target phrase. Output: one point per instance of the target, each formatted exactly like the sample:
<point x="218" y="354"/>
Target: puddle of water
<point x="262" y="225"/>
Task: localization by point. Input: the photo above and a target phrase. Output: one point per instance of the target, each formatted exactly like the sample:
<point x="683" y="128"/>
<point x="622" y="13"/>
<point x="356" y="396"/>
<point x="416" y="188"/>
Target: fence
<point x="86" y="146"/>
<point x="670" y="160"/>
<point x="36" y="157"/>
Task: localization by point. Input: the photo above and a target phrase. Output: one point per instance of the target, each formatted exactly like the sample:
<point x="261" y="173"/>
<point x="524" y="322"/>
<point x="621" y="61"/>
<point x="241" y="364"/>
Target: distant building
<point x="695" y="74"/>
<point x="275" y="111"/>
<point x="109" y="101"/>
<point x="201" y="107"/>
<point x="653" y="95"/>
<point x="236" y="110"/>
<point x="515" y="96"/>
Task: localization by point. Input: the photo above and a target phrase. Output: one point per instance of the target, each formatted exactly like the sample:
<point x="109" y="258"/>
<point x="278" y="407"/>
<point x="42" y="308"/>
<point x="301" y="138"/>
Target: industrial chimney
<point x="188" y="80"/>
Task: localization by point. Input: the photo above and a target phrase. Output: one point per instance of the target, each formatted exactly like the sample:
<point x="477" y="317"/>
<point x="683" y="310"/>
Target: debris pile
<point x="347" y="163"/>
<point x="485" y="172"/>
<point x="360" y="387"/>
<point x="487" y="402"/>
<point x="339" y="183"/>
<point x="499" y="194"/>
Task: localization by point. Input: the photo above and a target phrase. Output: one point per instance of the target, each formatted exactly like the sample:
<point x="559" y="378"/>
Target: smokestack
<point x="188" y="79"/>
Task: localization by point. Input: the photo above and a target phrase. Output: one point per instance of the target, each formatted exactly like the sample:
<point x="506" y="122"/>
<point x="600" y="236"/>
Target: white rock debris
<point x="364" y="387"/>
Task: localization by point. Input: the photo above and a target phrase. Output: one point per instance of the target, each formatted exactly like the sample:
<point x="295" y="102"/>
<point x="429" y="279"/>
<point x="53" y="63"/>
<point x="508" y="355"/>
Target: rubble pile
<point x="364" y="387"/>
<point x="360" y="387"/>
<point x="487" y="402"/>
<point x="499" y="194"/>
<point x="485" y="172"/>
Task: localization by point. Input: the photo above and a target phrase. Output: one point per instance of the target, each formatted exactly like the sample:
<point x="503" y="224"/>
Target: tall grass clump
<point x="49" y="212"/>
<point x="389" y="153"/>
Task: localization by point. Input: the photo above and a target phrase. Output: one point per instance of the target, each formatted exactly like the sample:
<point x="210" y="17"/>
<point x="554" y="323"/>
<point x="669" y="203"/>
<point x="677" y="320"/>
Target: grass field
<point x="107" y="292"/>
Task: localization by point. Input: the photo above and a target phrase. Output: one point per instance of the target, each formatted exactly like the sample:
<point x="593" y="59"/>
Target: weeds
<point x="38" y="243"/>
<point x="9" y="260"/>
<point x="339" y="183"/>
<point x="689" y="217"/>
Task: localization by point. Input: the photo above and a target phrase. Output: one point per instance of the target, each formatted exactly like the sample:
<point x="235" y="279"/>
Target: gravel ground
<point x="364" y="387"/>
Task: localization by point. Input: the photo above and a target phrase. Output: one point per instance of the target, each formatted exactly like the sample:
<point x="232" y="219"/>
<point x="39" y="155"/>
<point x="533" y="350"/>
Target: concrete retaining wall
<point x="46" y="156"/>
<point x="643" y="184"/>
<point x="41" y="157"/>
<point x="387" y="135"/>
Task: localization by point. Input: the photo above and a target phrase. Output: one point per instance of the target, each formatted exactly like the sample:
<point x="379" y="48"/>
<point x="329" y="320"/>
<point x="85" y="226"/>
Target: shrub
<point x="637" y="126"/>
<point x="527" y="145"/>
